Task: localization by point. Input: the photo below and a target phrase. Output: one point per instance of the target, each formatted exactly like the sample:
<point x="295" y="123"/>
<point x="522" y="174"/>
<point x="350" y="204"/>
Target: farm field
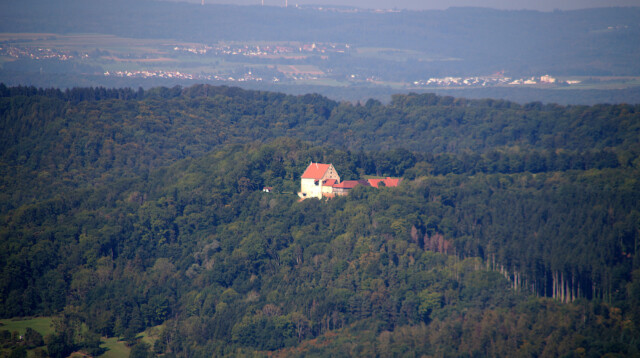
<point x="67" y="60"/>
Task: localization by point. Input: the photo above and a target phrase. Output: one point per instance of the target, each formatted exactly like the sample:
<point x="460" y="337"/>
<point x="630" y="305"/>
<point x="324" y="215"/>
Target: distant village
<point x="245" y="77"/>
<point x="492" y="80"/>
<point x="278" y="73"/>
<point x="249" y="76"/>
<point x="40" y="53"/>
<point x="265" y="51"/>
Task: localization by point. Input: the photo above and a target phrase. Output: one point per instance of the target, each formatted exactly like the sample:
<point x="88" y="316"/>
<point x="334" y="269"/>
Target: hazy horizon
<point x="542" y="5"/>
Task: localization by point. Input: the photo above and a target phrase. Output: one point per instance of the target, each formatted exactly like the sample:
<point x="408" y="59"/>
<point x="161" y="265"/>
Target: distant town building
<point x="547" y="79"/>
<point x="317" y="180"/>
<point x="322" y="181"/>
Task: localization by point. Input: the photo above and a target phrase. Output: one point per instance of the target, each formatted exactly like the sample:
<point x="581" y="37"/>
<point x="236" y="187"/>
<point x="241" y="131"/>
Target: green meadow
<point x="41" y="324"/>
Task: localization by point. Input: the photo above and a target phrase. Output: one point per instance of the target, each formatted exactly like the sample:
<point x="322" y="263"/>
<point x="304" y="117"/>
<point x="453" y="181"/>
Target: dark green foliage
<point x="19" y="352"/>
<point x="32" y="338"/>
<point x="120" y="215"/>
<point x="5" y="338"/>
<point x="60" y="345"/>
<point x="140" y="350"/>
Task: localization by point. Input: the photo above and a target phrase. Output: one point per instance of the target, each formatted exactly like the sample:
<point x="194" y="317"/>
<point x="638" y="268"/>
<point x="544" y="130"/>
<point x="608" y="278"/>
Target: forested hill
<point x="424" y="123"/>
<point x="515" y="231"/>
<point x="95" y="134"/>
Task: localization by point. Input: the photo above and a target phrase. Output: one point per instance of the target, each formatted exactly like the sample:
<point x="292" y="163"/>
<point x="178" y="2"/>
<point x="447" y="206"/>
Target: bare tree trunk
<point x="562" y="287"/>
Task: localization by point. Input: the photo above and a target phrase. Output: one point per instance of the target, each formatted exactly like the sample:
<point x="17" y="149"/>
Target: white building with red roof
<point x="318" y="181"/>
<point x="322" y="181"/>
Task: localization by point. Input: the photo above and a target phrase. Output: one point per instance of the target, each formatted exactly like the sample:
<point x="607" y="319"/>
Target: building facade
<point x="318" y="180"/>
<point x="322" y="181"/>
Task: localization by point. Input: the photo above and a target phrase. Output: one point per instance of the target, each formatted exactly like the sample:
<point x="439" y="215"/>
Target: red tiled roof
<point x="374" y="182"/>
<point x="315" y="171"/>
<point x="392" y="182"/>
<point x="389" y="182"/>
<point x="329" y="182"/>
<point x="350" y="184"/>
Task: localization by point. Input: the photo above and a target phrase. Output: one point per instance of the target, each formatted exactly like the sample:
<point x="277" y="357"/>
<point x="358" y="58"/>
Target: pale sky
<point x="541" y="5"/>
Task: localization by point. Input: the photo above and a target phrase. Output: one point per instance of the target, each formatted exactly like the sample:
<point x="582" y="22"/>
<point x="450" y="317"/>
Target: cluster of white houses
<point x="322" y="181"/>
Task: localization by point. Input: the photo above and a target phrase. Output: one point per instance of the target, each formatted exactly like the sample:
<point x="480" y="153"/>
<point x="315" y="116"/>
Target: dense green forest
<point x="514" y="232"/>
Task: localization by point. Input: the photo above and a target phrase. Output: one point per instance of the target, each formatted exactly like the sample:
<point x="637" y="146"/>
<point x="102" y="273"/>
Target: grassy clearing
<point x="393" y="54"/>
<point x="40" y="324"/>
<point x="115" y="348"/>
<point x="322" y="82"/>
<point x="300" y="69"/>
<point x="600" y="82"/>
<point x="151" y="335"/>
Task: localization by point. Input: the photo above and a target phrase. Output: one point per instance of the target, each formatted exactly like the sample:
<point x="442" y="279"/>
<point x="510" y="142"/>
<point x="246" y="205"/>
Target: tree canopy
<point x="515" y="231"/>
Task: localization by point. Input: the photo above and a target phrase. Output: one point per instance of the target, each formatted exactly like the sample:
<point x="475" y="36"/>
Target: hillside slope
<point x="515" y="230"/>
